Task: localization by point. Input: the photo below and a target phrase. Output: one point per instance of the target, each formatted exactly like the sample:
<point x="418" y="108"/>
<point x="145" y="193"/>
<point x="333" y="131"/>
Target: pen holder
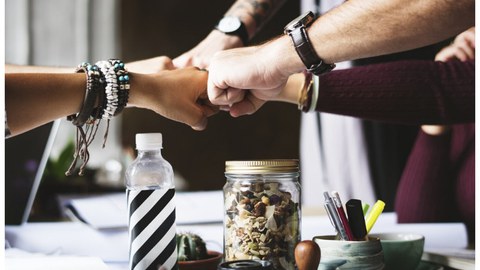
<point x="339" y="254"/>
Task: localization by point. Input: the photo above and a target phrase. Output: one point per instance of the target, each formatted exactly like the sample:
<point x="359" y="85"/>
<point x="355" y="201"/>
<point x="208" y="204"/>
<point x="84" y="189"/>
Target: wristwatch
<point x="297" y="30"/>
<point x="231" y="25"/>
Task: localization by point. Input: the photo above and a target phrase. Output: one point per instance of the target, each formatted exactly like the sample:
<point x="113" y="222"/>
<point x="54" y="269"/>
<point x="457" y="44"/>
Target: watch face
<point x="229" y="24"/>
<point x="304" y="19"/>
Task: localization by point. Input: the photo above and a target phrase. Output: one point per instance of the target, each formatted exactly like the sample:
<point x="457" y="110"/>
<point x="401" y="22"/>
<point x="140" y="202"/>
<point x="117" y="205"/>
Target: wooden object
<point x="307" y="255"/>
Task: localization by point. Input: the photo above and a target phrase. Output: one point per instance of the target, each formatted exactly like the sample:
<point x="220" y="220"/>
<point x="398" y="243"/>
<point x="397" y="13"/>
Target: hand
<point x="462" y="48"/>
<point x="152" y="65"/>
<point x="201" y="54"/>
<point x="179" y="95"/>
<point x="257" y="69"/>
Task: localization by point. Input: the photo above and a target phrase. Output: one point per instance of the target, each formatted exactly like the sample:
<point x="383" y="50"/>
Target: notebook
<point x="26" y="156"/>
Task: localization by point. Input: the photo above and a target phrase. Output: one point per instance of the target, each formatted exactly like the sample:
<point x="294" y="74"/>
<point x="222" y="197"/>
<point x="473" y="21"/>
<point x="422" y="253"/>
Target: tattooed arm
<point x="253" y="13"/>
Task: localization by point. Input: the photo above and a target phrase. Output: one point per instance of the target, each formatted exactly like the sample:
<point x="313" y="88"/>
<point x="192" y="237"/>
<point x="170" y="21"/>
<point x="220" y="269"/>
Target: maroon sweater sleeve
<point x="408" y="92"/>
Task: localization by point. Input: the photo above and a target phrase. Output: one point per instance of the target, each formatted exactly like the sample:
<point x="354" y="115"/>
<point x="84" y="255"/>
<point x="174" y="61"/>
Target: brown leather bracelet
<point x="303" y="97"/>
<point x="91" y="93"/>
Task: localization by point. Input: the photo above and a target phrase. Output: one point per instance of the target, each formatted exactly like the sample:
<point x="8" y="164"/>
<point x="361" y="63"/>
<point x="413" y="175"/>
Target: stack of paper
<point x="110" y="210"/>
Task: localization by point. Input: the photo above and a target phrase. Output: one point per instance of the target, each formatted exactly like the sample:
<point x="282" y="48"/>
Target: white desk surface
<point x="79" y="239"/>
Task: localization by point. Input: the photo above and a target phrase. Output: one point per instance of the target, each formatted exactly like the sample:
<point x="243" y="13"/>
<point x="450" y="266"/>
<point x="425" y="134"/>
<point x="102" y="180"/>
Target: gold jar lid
<point x="262" y="166"/>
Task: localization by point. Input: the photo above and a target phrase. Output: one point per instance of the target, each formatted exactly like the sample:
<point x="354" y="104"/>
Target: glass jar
<point x="262" y="211"/>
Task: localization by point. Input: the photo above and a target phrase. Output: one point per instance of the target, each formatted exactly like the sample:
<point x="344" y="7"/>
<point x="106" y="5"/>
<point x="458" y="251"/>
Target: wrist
<point x="138" y="89"/>
<point x="228" y="41"/>
<point x="292" y="90"/>
<point x="435" y="130"/>
<point x="289" y="63"/>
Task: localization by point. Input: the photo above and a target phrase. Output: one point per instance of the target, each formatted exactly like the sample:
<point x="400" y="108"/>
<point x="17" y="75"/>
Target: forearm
<point x="254" y="13"/>
<point x="365" y="28"/>
<point x="409" y="92"/>
<point x="10" y="68"/>
<point x="33" y="99"/>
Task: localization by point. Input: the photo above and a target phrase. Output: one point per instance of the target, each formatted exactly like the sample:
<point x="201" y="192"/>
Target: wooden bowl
<point x="211" y="263"/>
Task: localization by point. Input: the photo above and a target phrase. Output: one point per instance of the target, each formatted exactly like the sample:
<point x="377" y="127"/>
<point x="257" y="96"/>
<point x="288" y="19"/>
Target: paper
<point x="69" y="238"/>
<point x="16" y="259"/>
<point x="451" y="258"/>
<point x="110" y="211"/>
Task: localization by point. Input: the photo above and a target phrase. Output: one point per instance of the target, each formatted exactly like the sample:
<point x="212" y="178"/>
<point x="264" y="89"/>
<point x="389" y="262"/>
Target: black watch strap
<point x="242" y="34"/>
<point x="307" y="53"/>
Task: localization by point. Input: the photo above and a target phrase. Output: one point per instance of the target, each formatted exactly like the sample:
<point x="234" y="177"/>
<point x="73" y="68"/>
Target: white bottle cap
<point x="148" y="141"/>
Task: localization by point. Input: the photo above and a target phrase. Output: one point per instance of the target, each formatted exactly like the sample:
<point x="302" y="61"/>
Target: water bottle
<point x="151" y="207"/>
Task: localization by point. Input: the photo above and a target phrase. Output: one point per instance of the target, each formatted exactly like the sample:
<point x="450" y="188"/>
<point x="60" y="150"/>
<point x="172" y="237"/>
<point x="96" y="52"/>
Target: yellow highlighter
<point x="377" y="209"/>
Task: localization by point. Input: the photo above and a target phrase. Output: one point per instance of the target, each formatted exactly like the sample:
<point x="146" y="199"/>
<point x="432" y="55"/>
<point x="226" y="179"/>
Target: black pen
<point x="356" y="219"/>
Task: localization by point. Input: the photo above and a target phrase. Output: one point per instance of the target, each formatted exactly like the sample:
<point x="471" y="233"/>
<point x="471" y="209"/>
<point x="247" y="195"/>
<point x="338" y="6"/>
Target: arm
<point x="356" y="29"/>
<point x="253" y="13"/>
<point x="10" y="68"/>
<point x="33" y="99"/>
<point x="463" y="49"/>
<point x="408" y="92"/>
<point x="151" y="65"/>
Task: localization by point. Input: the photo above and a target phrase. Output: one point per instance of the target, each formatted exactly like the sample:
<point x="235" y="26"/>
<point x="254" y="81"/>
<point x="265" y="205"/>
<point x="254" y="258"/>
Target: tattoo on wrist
<point x="257" y="9"/>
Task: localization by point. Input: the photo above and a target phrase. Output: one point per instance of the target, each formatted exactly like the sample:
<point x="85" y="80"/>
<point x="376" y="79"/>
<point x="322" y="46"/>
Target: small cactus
<point x="190" y="247"/>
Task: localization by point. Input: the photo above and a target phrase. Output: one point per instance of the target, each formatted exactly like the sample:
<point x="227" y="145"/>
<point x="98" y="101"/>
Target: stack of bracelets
<point x="106" y="96"/>
<point x="308" y="96"/>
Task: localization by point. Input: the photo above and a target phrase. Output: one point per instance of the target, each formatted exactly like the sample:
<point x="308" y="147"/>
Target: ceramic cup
<point x="339" y="254"/>
<point x="401" y="250"/>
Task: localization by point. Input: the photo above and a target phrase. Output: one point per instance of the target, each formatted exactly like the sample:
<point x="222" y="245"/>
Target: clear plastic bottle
<point x="151" y="207"/>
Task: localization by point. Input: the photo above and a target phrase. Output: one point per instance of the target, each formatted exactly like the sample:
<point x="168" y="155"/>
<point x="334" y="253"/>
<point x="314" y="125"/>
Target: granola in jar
<point x="262" y="214"/>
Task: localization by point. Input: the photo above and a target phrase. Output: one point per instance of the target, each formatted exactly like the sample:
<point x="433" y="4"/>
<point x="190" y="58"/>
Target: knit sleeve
<point x="409" y="92"/>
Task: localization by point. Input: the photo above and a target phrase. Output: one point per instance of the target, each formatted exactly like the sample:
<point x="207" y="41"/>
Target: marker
<point x="341" y="214"/>
<point x="334" y="218"/>
<point x="377" y="209"/>
<point x="356" y="219"/>
<point x="365" y="208"/>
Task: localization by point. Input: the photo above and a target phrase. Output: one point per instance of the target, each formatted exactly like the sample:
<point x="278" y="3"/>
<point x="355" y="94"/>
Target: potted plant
<point x="193" y="254"/>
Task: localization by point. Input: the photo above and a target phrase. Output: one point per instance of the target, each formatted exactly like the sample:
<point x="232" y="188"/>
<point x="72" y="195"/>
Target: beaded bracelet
<point x="111" y="89"/>
<point x="123" y="84"/>
<point x="117" y="88"/>
<point x="108" y="84"/>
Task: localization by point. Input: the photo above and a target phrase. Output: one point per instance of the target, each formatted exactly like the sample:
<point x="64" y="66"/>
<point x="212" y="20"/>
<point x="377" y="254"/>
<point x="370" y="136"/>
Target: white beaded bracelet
<point x="111" y="89"/>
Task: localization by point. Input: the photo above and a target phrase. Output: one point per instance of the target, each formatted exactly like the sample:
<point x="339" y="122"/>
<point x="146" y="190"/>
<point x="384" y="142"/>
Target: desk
<point x="76" y="238"/>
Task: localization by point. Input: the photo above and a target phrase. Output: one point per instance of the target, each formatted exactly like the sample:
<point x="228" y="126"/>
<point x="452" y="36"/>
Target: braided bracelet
<point x="85" y="136"/>
<point x="93" y="88"/>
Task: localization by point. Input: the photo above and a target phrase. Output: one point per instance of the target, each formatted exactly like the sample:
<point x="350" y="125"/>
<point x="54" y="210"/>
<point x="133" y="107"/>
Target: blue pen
<point x="334" y="217"/>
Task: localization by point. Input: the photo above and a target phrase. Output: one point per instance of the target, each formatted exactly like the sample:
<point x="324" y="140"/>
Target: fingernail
<point x="225" y="108"/>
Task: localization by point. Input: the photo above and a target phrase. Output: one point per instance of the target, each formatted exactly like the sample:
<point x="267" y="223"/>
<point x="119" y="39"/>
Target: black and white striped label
<point x="152" y="229"/>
